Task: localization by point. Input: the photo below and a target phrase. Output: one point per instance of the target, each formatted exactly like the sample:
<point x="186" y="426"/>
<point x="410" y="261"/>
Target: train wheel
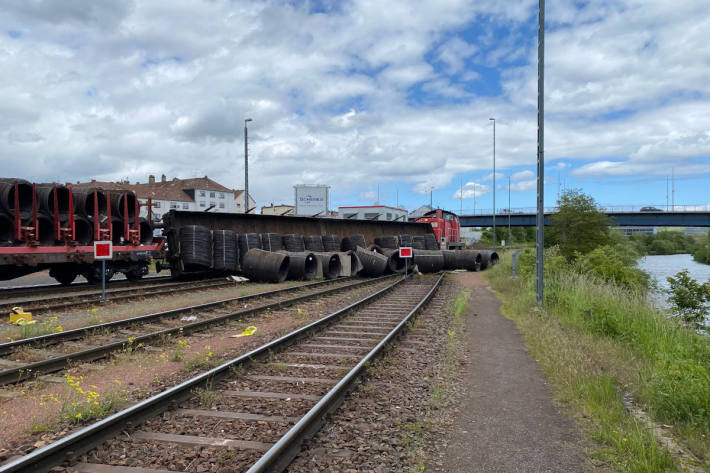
<point x="134" y="275"/>
<point x="64" y="276"/>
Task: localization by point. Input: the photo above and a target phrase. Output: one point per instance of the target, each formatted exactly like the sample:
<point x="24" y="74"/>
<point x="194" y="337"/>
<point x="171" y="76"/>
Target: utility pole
<point x="494" y="183"/>
<point x="673" y="189"/>
<point x="460" y="195"/>
<point x="666" y="193"/>
<point x="540" y="234"/>
<point x="246" y="167"/>
<point x="431" y="198"/>
<point x="474" y="198"/>
<point x="510" y="238"/>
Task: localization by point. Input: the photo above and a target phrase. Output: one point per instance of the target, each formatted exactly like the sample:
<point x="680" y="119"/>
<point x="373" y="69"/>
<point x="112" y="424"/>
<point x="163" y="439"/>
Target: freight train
<point x="52" y="226"/>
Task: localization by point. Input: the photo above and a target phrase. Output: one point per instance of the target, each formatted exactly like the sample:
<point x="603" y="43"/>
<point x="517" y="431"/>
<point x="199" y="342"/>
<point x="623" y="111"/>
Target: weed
<point x="34" y="329"/>
<point x="201" y="361"/>
<point x="83" y="405"/>
<point x="207" y="396"/>
<point x="179" y="352"/>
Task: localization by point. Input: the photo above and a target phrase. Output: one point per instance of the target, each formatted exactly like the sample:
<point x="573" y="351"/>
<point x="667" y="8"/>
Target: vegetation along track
<point x="28" y="358"/>
<point x="254" y="411"/>
<point x="38" y="301"/>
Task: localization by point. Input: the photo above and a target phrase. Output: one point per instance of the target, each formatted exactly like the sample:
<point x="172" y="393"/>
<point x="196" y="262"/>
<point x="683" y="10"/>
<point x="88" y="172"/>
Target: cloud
<point x="522" y="175"/>
<point x="522" y="186"/>
<point x="471" y="190"/>
<point x="489" y="177"/>
<point x="369" y="196"/>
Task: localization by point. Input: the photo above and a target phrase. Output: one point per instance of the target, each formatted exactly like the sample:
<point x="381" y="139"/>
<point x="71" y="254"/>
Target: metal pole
<point x="494" y="183"/>
<point x="540" y="221"/>
<point x="510" y="238"/>
<point x="474" y="198"/>
<point x="246" y="166"/>
<point x="103" y="280"/>
<point x="460" y="196"/>
<point x="431" y="198"/>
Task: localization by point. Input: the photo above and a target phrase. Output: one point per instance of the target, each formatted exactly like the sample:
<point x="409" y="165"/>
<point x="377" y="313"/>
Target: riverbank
<point x="601" y="346"/>
<point x="659" y="267"/>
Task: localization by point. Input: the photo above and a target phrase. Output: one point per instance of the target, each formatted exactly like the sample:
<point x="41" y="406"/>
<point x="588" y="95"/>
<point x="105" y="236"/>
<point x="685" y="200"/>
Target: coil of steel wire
<point x="405" y="240"/>
<point x="469" y="260"/>
<point x="350" y="243"/>
<point x="418" y="242"/>
<point x="430" y="242"/>
<point x="373" y="263"/>
<point x="329" y="263"/>
<point x="294" y="242"/>
<point x="450" y="259"/>
<point x="224" y="250"/>
<point x="313" y="243"/>
<point x="428" y="261"/>
<point x="271" y="242"/>
<point x="147" y="231"/>
<point x="264" y="266"/>
<point x="6" y="229"/>
<point x="301" y="266"/>
<point x="331" y="243"/>
<point x="195" y="248"/>
<point x="24" y="194"/>
<point x="387" y="241"/>
<point x="247" y="241"/>
<point x="45" y="196"/>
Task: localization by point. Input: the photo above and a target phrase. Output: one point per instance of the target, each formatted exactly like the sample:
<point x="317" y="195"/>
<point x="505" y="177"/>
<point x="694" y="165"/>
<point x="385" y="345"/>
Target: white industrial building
<point x="372" y="212"/>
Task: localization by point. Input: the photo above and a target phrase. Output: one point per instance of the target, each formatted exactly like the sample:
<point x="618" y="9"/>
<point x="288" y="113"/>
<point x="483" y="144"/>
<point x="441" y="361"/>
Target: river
<point x="662" y="266"/>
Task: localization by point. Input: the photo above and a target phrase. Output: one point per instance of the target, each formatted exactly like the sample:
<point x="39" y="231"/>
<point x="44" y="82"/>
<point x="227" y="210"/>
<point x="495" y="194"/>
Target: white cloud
<point x="471" y="190"/>
<point x="522" y="175"/>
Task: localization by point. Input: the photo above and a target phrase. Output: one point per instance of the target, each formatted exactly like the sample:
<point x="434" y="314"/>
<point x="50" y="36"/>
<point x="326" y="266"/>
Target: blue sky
<point x="356" y="94"/>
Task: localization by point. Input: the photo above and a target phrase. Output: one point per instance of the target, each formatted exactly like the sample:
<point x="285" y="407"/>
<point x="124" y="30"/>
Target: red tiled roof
<point x="161" y="190"/>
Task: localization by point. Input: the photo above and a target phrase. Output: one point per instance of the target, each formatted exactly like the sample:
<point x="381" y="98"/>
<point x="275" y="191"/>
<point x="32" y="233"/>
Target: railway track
<point x="29" y="358"/>
<point x="19" y="291"/>
<point x="262" y="405"/>
<point x="39" y="301"/>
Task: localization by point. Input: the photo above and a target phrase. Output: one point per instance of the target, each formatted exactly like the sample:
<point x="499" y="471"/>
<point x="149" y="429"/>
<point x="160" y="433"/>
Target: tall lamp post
<point x="246" y="166"/>
<point x="494" y="183"/>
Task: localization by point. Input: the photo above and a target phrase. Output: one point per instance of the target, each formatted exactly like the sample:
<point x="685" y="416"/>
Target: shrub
<point x="689" y="299"/>
<point x="607" y="264"/>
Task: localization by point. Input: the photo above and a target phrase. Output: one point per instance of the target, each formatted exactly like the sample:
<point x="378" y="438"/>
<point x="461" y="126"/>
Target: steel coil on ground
<point x="490" y="258"/>
<point x="294" y="242"/>
<point x="331" y="243"/>
<point x="313" y="243"/>
<point x="450" y="259"/>
<point x="265" y="266"/>
<point x="387" y="241"/>
<point x="428" y="261"/>
<point x="405" y="240"/>
<point x="271" y="242"/>
<point x="469" y="260"/>
<point x="394" y="262"/>
<point x="224" y="250"/>
<point x="24" y="193"/>
<point x="350" y="243"/>
<point x="373" y="263"/>
<point x="195" y="248"/>
<point x="248" y="241"/>
<point x="302" y="266"/>
<point x="430" y="242"/>
<point x="329" y="264"/>
<point x="418" y="242"/>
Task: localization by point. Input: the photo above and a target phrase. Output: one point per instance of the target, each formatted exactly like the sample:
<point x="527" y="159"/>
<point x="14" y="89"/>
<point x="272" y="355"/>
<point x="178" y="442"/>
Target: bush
<point x="607" y="264"/>
<point x="689" y="299"/>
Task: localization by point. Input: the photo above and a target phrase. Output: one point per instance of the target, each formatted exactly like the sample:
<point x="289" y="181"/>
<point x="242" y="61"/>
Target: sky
<point x="369" y="97"/>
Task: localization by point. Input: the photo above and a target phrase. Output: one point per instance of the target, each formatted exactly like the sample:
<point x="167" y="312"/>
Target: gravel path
<point x="506" y="420"/>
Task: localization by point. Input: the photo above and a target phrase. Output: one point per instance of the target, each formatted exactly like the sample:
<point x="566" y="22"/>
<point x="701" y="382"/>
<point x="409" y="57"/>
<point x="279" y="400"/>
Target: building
<point x="415" y="214"/>
<point x="372" y="212"/>
<point x="628" y="231"/>
<point x="282" y="209"/>
<point x="311" y="200"/>
<point x="239" y="202"/>
<point x="198" y="194"/>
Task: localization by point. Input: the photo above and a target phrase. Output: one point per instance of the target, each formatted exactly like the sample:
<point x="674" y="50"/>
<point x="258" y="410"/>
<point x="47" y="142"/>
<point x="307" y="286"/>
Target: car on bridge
<point x="650" y="208"/>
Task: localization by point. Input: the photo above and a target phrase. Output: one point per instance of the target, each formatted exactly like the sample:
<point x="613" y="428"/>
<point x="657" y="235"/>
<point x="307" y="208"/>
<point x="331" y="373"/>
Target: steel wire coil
<point x="45" y="196"/>
<point x="350" y="243"/>
<point x="428" y="261"/>
<point x="331" y="243"/>
<point x="330" y="264"/>
<point x="271" y="242"/>
<point x="405" y="240"/>
<point x="224" y="250"/>
<point x="248" y="241"/>
<point x="83" y="230"/>
<point x="302" y="266"/>
<point x="118" y="197"/>
<point x="388" y="241"/>
<point x="264" y="266"/>
<point x="430" y="242"/>
<point x="450" y="259"/>
<point x="313" y="243"/>
<point x="294" y="242"/>
<point x="24" y="194"/>
<point x="469" y="260"/>
<point x="6" y="230"/>
<point x="117" y="229"/>
<point x="488" y="258"/>
<point x="195" y="248"/>
<point x="45" y="230"/>
<point x="146" y="229"/>
<point x="373" y="263"/>
<point x="418" y="242"/>
<point x="84" y="202"/>
<point x="395" y="264"/>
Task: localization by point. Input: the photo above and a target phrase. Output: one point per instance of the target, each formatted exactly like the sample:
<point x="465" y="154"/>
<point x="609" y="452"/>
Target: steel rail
<point x="31" y="370"/>
<point x="76" y="443"/>
<point x="118" y="294"/>
<point x="11" y="290"/>
<point x="278" y="457"/>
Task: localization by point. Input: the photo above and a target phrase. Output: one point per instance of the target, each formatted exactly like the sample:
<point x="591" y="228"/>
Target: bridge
<point x="657" y="218"/>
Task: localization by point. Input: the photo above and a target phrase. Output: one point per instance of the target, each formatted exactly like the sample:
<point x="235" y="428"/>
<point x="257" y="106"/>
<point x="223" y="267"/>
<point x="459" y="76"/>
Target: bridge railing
<point x="605" y="208"/>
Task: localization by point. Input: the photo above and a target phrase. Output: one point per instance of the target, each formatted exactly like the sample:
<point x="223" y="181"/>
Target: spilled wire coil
<point x="195" y="248"/>
<point x="488" y="258"/>
<point x="224" y="250"/>
<point x="373" y="264"/>
<point x="330" y="264"/>
<point x="302" y="266"/>
<point x="430" y="242"/>
<point x="350" y="243"/>
<point x="418" y="242"/>
<point x="313" y="243"/>
<point x="260" y="265"/>
<point x="405" y="240"/>
<point x="294" y="242"/>
<point x="469" y="260"/>
<point x="331" y="243"/>
<point x="248" y="241"/>
<point x="271" y="242"/>
<point x="428" y="261"/>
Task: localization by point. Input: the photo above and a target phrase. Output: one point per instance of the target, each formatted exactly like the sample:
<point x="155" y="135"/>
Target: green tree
<point x="579" y="226"/>
<point x="690" y="300"/>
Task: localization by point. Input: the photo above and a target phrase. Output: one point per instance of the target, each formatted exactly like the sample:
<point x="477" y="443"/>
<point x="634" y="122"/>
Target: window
<point x="212" y="195"/>
<point x="221" y="195"/>
<point x="372" y="216"/>
<point x="221" y="205"/>
<point x="185" y="206"/>
<point x="202" y="204"/>
<point x="156" y="205"/>
<point x="239" y="205"/>
<point x="202" y="193"/>
<point x="174" y="205"/>
<point x="389" y="216"/>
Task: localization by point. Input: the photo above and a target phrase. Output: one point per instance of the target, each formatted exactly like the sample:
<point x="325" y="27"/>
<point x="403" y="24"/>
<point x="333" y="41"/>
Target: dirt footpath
<point x="506" y="420"/>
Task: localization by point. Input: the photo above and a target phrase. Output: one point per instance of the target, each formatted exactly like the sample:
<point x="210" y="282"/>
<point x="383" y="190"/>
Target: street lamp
<point x="494" y="182"/>
<point x="246" y="167"/>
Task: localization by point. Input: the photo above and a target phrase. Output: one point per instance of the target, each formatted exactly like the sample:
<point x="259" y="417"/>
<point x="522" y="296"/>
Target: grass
<point x="595" y="340"/>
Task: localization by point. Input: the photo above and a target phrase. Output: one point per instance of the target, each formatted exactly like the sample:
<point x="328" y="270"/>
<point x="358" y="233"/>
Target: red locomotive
<point x="446" y="227"/>
<point x="50" y="226"/>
